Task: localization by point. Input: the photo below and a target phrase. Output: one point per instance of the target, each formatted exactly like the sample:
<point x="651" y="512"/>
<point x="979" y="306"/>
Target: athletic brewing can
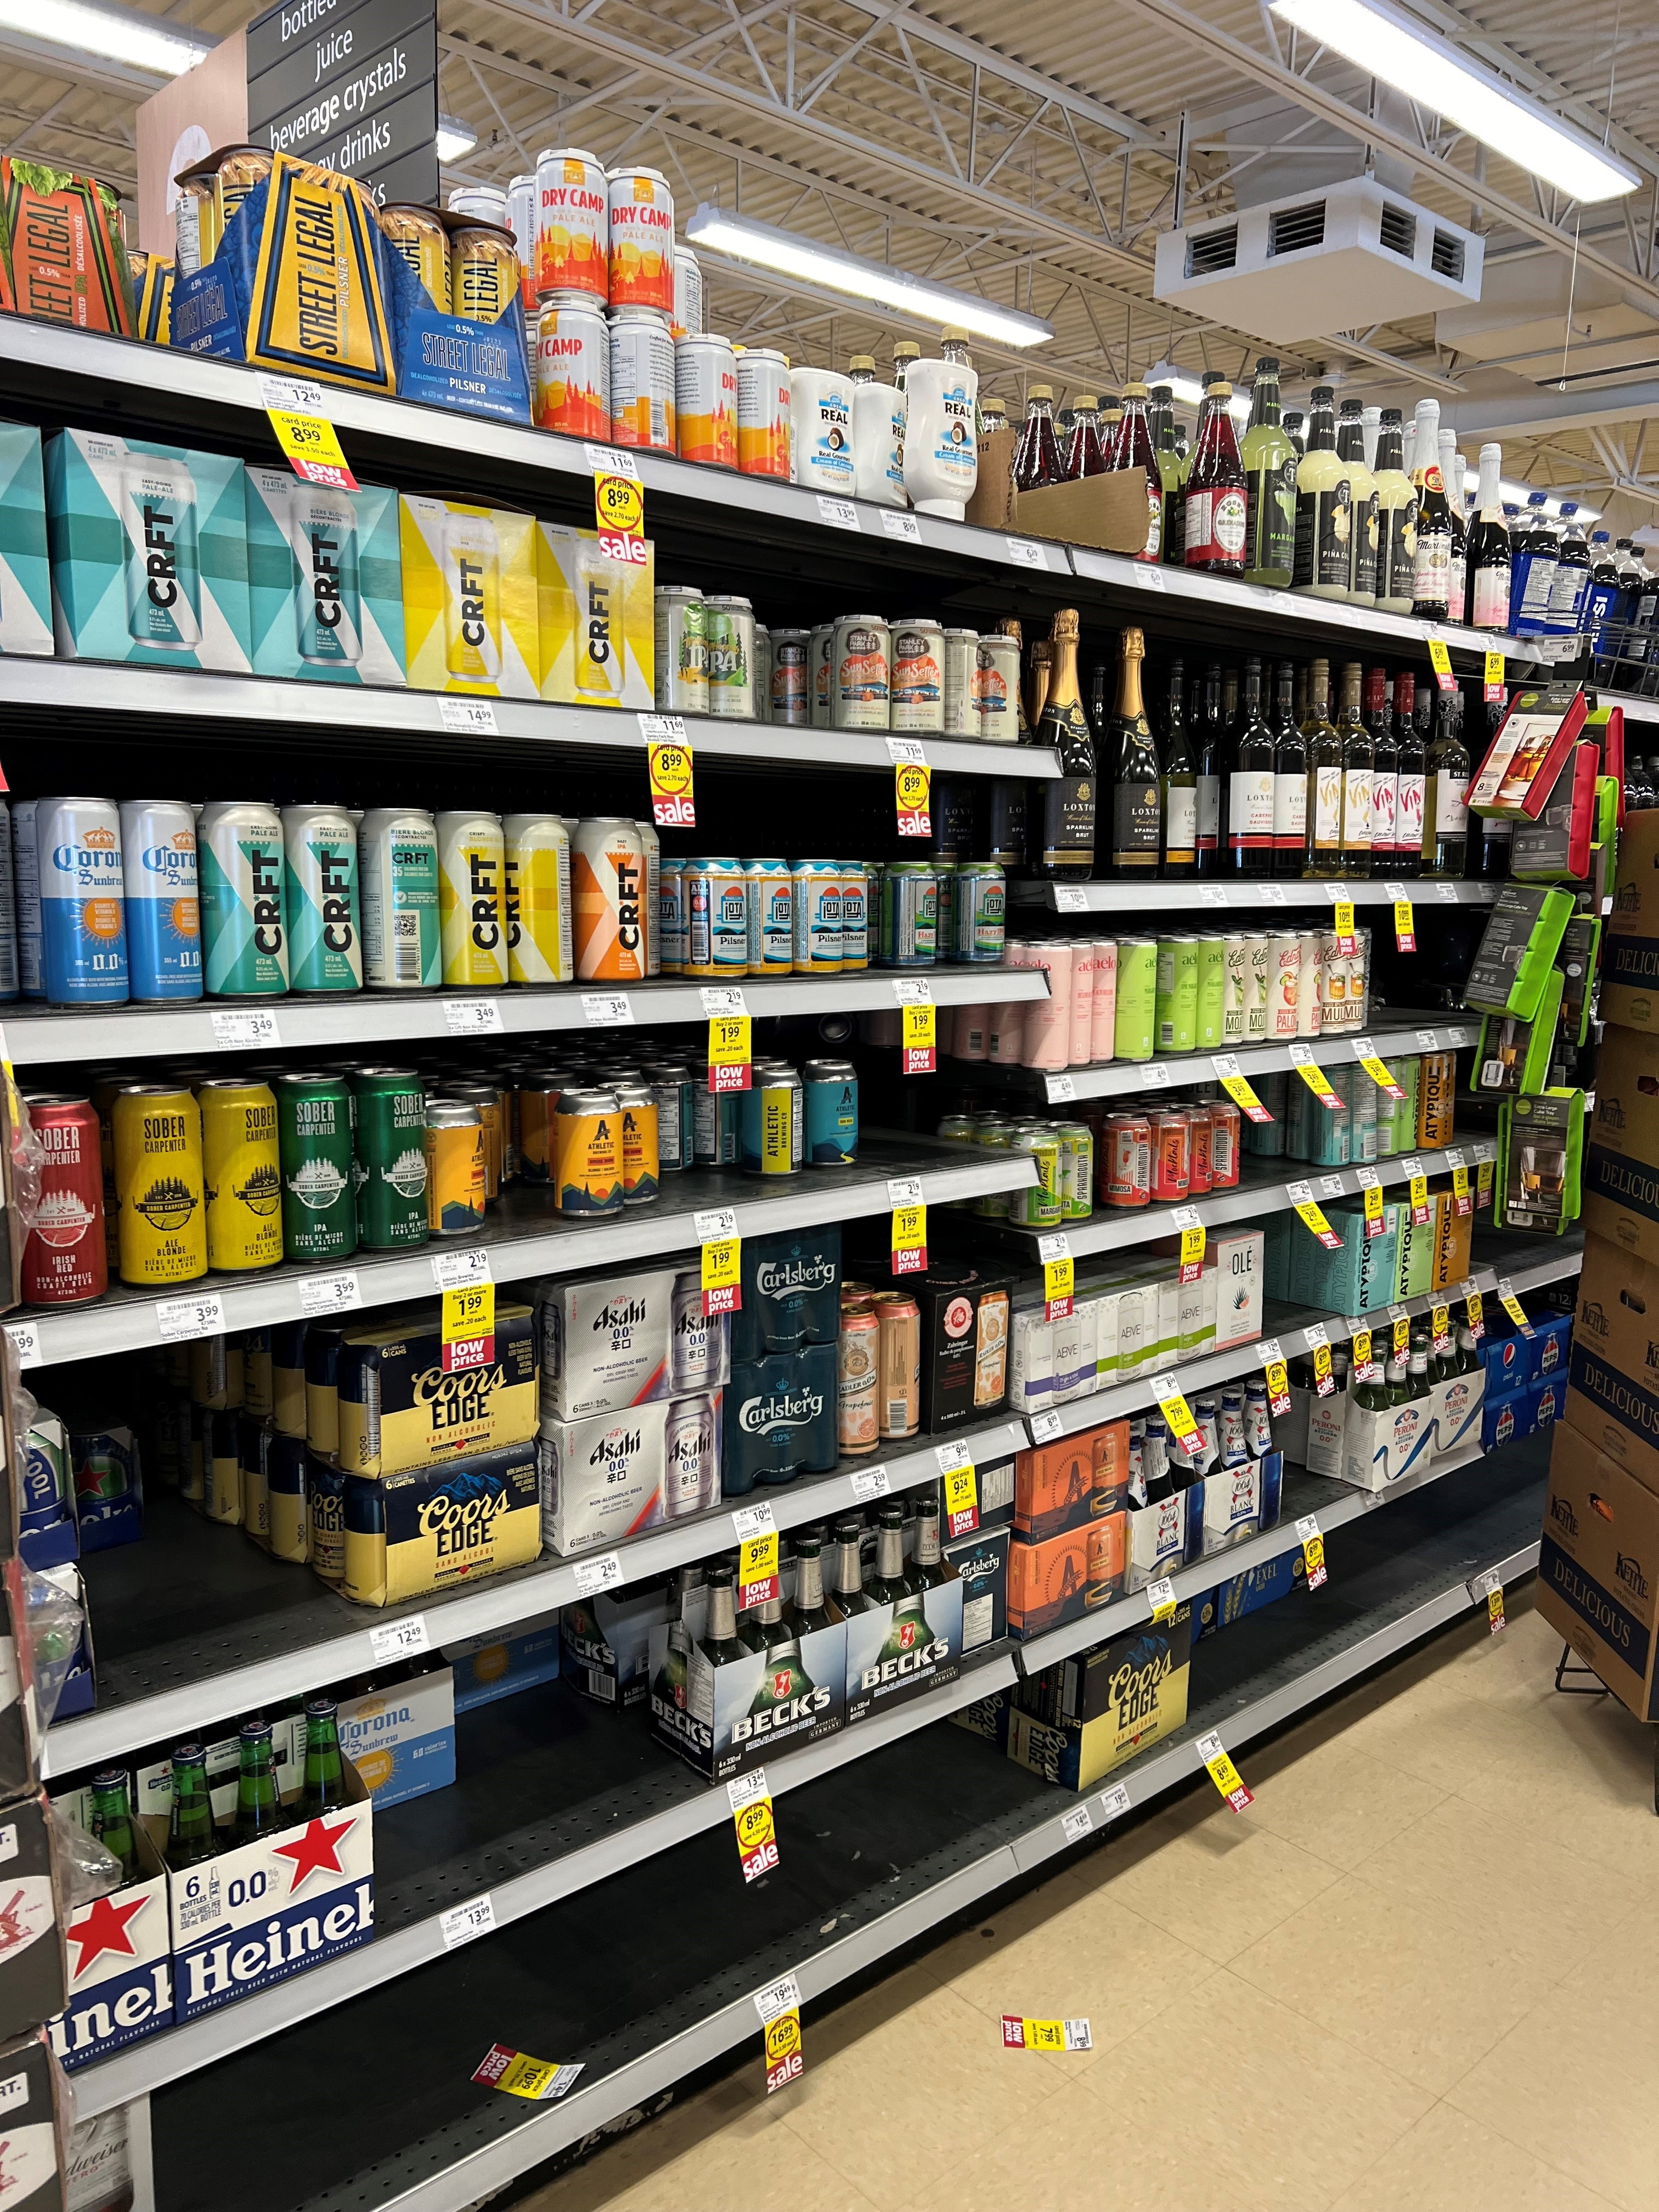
<point x="471" y="866"/>
<point x="163" y="914"/>
<point x="588" y="1153"/>
<point x="771" y="900"/>
<point x="538" y="899"/>
<point x="241" y="869"/>
<point x="642" y="1166"/>
<point x="313" y="1134"/>
<point x="158" y="1185"/>
<point x="454" y="1167"/>
<point x="388" y="1112"/>
<point x="608" y="895"/>
<point x="242" y="1173"/>
<point x="832" y="1112"/>
<point x="63" y="1255"/>
<point x="83" y="939"/>
<point x="398" y="892"/>
<point x="320" y="885"/>
<point x="772" y="1121"/>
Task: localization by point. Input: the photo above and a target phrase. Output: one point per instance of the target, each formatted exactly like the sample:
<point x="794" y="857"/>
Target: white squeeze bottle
<point x="878" y="434"/>
<point x="821" y="430"/>
<point x="941" y="446"/>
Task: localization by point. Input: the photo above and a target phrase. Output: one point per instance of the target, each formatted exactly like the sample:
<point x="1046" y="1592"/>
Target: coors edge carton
<point x="399" y="1410"/>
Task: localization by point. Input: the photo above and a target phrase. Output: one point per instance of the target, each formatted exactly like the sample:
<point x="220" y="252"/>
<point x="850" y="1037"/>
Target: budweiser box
<point x="1621" y="1178"/>
<point x="1598" y="1567"/>
<point x="1612" y="1395"/>
<point x="1630" y="941"/>
<point x="1107" y="1704"/>
<point x="399" y="1409"/>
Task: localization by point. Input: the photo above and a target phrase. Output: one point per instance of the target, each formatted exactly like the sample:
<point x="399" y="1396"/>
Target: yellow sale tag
<point x="1440" y="661"/>
<point x="729" y="1053"/>
<point x="1378" y="1072"/>
<point x="757" y="1568"/>
<point x="1192" y="1252"/>
<point x="1373" y="1209"/>
<point x="1059" y="1277"/>
<point x="1405" y="926"/>
<point x="1222" y="1771"/>
<point x="757" y="1841"/>
<point x="912" y="783"/>
<point x="313" y="450"/>
<point x="1313" y="1559"/>
<point x="1462" y="1198"/>
<point x="909" y="1246"/>
<point x="1278" y="1385"/>
<point x="1402" y="1336"/>
<point x="1483" y="1179"/>
<point x="1492" y="689"/>
<point x="1361" y="1342"/>
<point x="469" y="1327"/>
<point x="539" y="2079"/>
<point x="1345" y="924"/>
<point x="1318" y="1082"/>
<point x="1475" y="1307"/>
<point x="921" y="1035"/>
<point x="1238" y="1089"/>
<point x="1495" y="1610"/>
<point x="784" y="2060"/>
<point x="1513" y="1307"/>
<point x="1322" y="1381"/>
<point x="722" y="1274"/>
<point x="1440" y="1326"/>
<point x="673" y="800"/>
<point x="1178" y="1415"/>
<point x="1420" y="1202"/>
<point x="961" y="1501"/>
<point x="1164" y="1601"/>
<point x="618" y="504"/>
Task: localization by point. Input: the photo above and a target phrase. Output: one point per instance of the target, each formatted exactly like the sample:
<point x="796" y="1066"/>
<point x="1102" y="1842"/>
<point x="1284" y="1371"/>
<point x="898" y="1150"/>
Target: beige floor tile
<point x="1336" y="1803"/>
<point x="1577" y="2097"/>
<point x="1587" y="1787"/>
<point x="1450" y="2163"/>
<point x="1422" y="1991"/>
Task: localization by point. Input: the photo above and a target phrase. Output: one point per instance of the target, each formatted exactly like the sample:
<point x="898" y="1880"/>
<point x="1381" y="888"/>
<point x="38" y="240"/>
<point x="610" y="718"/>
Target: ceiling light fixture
<point x="454" y="136"/>
<point x="1387" y="42"/>
<point x="144" y="42"/>
<point x="1186" y="391"/>
<point x="769" y="247"/>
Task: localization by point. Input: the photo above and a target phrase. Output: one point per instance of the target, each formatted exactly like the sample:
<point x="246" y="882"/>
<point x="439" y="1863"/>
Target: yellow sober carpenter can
<point x="454" y="1167"/>
<point x="161" y="1198"/>
<point x="242" y="1174"/>
<point x="471" y="915"/>
<point x="588" y="1153"/>
<point x="538" y="899"/>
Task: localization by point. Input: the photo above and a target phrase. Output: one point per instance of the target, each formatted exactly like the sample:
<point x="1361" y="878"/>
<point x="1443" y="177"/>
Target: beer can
<point x="907" y="930"/>
<point x="858" y="1430"/>
<point x="313" y="1135"/>
<point x="771" y="908"/>
<point x="1128" y="1159"/>
<point x="944" y="891"/>
<point x="1309" y="983"/>
<point x="855" y="917"/>
<point x="254" y="1441"/>
<point x="325" y="948"/>
<point x="960" y="670"/>
<point x="820" y="657"/>
<point x="222" y="1468"/>
<point x="608" y="893"/>
<point x="285" y="1494"/>
<point x="288" y="1376"/>
<point x="862" y="671"/>
<point x="1076" y="1170"/>
<point x="573" y="224"/>
<point x="642" y="1164"/>
<point x="479" y="203"/>
<point x="706" y="399"/>
<point x="1135" y="1019"/>
<point x="1176" y="1008"/>
<point x="997" y="689"/>
<point x="673" y="928"/>
<point x="241" y="871"/>
<point x="1225" y="1121"/>
<point x="572" y="350"/>
<point x="471" y="870"/>
<point x="1436" y="1087"/>
<point x="817" y="911"/>
<point x="898" y="1392"/>
<point x="676" y="1133"/>
<point x="416" y="233"/>
<point x="454" y="1142"/>
<point x="1200" y="1182"/>
<point x="642" y="238"/>
<point x="981" y="914"/>
<point x="764" y="413"/>
<point x="1333" y="972"/>
<point x="159" y="1189"/>
<point x="690" y="1477"/>
<point x="991" y="1129"/>
<point x="322" y="1351"/>
<point x="716" y="894"/>
<point x="1284" y="982"/>
<point x="192" y="1481"/>
<point x="1236" y="987"/>
<point x="490" y="1102"/>
<point x="259" y="1382"/>
<point x="83" y="939"/>
<point x="650" y="844"/>
<point x="1258" y="993"/>
<point x="163" y="910"/>
<point x="918" y="676"/>
<point x="536" y="1105"/>
<point x="1172" y="1153"/>
<point x="398" y="893"/>
<point x="788" y="691"/>
<point x="10" y="979"/>
<point x="389" y="1157"/>
<point x="536" y="892"/>
<point x="588" y="1153"/>
<point x="831" y="1088"/>
<point x="484" y="270"/>
<point x="1041" y="1205"/>
<point x="713" y="1122"/>
<point x="521" y="222"/>
<point x="325" y="1519"/>
<point x="729" y="628"/>
<point x="772" y="1120"/>
<point x="242" y="1172"/>
<point x="214" y="1374"/>
<point x="642" y="358"/>
<point x="65" y="1256"/>
<point x="762" y="679"/>
<point x="682" y="650"/>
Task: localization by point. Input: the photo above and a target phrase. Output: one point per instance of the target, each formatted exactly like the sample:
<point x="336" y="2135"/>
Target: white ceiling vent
<point x="1307" y="266"/>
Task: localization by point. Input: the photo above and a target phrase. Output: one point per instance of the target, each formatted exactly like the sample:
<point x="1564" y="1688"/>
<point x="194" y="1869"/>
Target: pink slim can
<point x="1006" y="1038"/>
<point x="971" y="1033"/>
<point x="1049" y="1021"/>
<point x="1081" y="1042"/>
<point x="1102" y="1022"/>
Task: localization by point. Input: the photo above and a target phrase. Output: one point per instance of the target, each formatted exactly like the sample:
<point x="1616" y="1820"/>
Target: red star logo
<point x="317" y="1851"/>
<point x="105" y="1927"/>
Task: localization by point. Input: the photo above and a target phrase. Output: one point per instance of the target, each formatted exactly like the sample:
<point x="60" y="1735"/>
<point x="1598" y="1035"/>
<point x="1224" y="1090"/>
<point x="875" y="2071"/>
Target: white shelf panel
<point x="1119" y="1077"/>
<point x="1196" y="900"/>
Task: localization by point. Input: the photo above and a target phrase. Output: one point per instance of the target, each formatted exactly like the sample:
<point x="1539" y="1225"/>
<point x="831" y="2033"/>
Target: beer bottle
<point x="189" y="1833"/>
<point x="257" y="1810"/>
<point x="1066" y="850"/>
<point x="765" y="1628"/>
<point x="1128" y="750"/>
<point x="891" y="1584"/>
<point x="1370" y="1391"/>
<point x="807" y="1610"/>
<point x="1322" y="854"/>
<point x="1322" y="561"/>
<point x="1468" y="1359"/>
<point x="112" y="1820"/>
<point x="783" y="1678"/>
<point x="850" y="1595"/>
<point x="928" y="1567"/>
<point x="1399" y="1389"/>
<point x="720" y="1645"/>
<point x="1416" y="1373"/>
<point x="325" y="1777"/>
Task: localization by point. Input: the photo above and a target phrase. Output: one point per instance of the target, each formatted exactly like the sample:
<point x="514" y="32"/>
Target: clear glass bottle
<point x="1289" y="777"/>
<point x="1446" y="790"/>
<point x="1431" y="569"/>
<point x="1134" y="450"/>
<point x="1362" y="506"/>
<point x="1452" y="472"/>
<point x="1270" y="460"/>
<point x="1084" y="455"/>
<point x="1250" y="784"/>
<point x="1357" y="768"/>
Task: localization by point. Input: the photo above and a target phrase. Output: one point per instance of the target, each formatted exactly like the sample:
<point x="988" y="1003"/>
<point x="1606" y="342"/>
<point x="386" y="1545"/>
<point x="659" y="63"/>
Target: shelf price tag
<point x="618" y="505"/>
<point x="1513" y="1307"/>
<point x="453" y="1271"/>
<point x="721" y="1274"/>
<point x="1192" y="1242"/>
<point x="955" y="1469"/>
<point x="1420" y="1192"/>
<point x="1178" y="1413"/>
<point x="1405" y="927"/>
<point x="607" y="1010"/>
<point x="869" y="1483"/>
<point x="1114" y="1802"/>
<point x="1021" y="2034"/>
<point x="539" y="2079"/>
<point x="1059" y="1272"/>
<point x="238" y="1028"/>
<point x="912" y="782"/>
<point x="729" y="1053"/>
<point x="1225" y="1064"/>
<point x="1492" y="686"/>
<point x="1490" y="1586"/>
<point x="1062" y="1090"/>
<point x="1313" y="1549"/>
<point x="1271" y="1355"/>
<point x="1359" y="1346"/>
<point x="909" y="1236"/>
<point x="304" y="433"/>
<point x="473" y="1017"/>
<point x="1313" y="1214"/>
<point x="594" y="1576"/>
<point x="1370" y="1185"/>
<point x="1483" y="1181"/>
<point x="1343" y="925"/>
<point x="469" y="1327"/>
<point x="1440" y="1324"/>
<point x="673" y="800"/>
<point x="1318" y="1082"/>
<point x="750" y="1801"/>
<point x="1045" y="1428"/>
<point x="757" y="1568"/>
<point x="25" y="1342"/>
<point x="894" y="524"/>
<point x="920" y="1039"/>
<point x="462" y="1923"/>
<point x="1366" y="1053"/>
<point x="179" y="1319"/>
<point x="1162" y="1594"/>
<point x="1462" y="1197"/>
<point x="1401" y="1317"/>
<point x="327" y="1294"/>
<point x="400" y="1639"/>
<point x="839" y="513"/>
<point x="779" y="2007"/>
<point x="1070" y="898"/>
<point x="1474" y="1306"/>
<point x="1223" y="1773"/>
<point x="468" y="718"/>
<point x="1075" y="1825"/>
<point x="1440" y="661"/>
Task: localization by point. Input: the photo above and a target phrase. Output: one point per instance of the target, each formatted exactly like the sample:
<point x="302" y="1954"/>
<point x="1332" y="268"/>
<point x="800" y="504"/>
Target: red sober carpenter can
<point x="1129" y="1151"/>
<point x="65" y="1262"/>
<point x="1172" y="1153"/>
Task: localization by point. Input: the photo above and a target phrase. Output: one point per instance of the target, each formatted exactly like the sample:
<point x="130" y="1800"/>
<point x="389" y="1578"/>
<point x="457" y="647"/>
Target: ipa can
<point x="242" y="1172"/>
<point x="397" y="891"/>
<point x="389" y="1157"/>
<point x="471" y="867"/>
<point x="241" y="870"/>
<point x="320" y="1199"/>
<point x="162" y="1204"/>
<point x="325" y="948"/>
<point x="608" y="895"/>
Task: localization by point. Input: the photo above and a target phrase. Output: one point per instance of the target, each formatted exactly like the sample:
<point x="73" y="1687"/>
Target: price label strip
<point x="1462" y="1196"/>
<point x="179" y="1319"/>
<point x="400" y="1639"/>
<point x="1162" y="1593"/>
<point x="722" y="1275"/>
<point x="1440" y="1324"/>
<point x="1019" y="2033"/>
<point x="751" y="1799"/>
<point x="961" y="1490"/>
<point x="730" y="1055"/>
<point x="1313" y="1215"/>
<point x="779" y="2007"/>
<point x="473" y="1017"/>
<point x="673" y="799"/>
<point x="1178" y="1415"/>
<point x="469" y="1327"/>
<point x="1315" y="1077"/>
<point x="1513" y="1307"/>
<point x="1366" y="1053"/>
<point x="1270" y="1355"/>
<point x="1059" y="1281"/>
<point x="25" y="1343"/>
<point x="910" y="1244"/>
<point x="912" y="785"/>
<point x="238" y="1027"/>
<point x="757" y="1568"/>
<point x="1475" y="1307"/>
<point x="1483" y="1181"/>
<point x="920" y="1039"/>
<point x="594" y="1576"/>
<point x="1405" y="923"/>
<point x="1192" y="1240"/>
<point x="1222" y="1771"/>
<point x="1313" y="1549"/>
<point x="539" y="2079"/>
<point x="1225" y="1064"/>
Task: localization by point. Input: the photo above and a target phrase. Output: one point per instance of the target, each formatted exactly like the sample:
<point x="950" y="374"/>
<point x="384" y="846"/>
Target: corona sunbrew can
<point x="538" y="899"/>
<point x="588" y="1153"/>
<point x="63" y="1256"/>
<point x="163" y="913"/>
<point x="83" y="939"/>
<point x="389" y="1157"/>
<point x="472" y="875"/>
<point x="242" y="1174"/>
<point x="397" y="891"/>
<point x="320" y="1198"/>
<point x="242" y="870"/>
<point x="454" y="1167"/>
<point x="159" y="1187"/>
<point x="324" y="944"/>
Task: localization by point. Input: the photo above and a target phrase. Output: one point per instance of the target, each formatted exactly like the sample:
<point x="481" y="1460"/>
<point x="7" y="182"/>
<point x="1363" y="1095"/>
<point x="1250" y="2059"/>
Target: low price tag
<point x="1162" y="1593"/>
<point x="910" y="1244"/>
<point x="1223" y="1773"/>
<point x="1405" y="925"/>
<point x="1371" y="1184"/>
<point x="673" y="800"/>
<point x="1483" y="1180"/>
<point x="1440" y="661"/>
<point x="539" y="2079"/>
<point x="1313" y="1214"/>
<point x="757" y="1568"/>
<point x="961" y="1490"/>
<point x="469" y="1327"/>
<point x="722" y="1275"/>
<point x="920" y="1031"/>
<point x="1513" y="1307"/>
<point x="779" y="2007"/>
<point x="1019" y="2033"/>
<point x="1313" y="1549"/>
<point x="304" y="433"/>
<point x="729" y="1053"/>
<point x="1058" y="1277"/>
<point x="1317" y="1081"/>
<point x="1475" y="1307"/>
<point x="1225" y="1064"/>
<point x="1270" y="1354"/>
<point x="1462" y="1196"/>
<point x="1493" y="687"/>
<point x="1345" y="939"/>
<point x="1178" y="1413"/>
<point x="618" y="504"/>
<point x="1419" y="1193"/>
<point x="1192" y="1242"/>
<point x="912" y="783"/>
<point x="1365" y="1052"/>
<point x="750" y="1801"/>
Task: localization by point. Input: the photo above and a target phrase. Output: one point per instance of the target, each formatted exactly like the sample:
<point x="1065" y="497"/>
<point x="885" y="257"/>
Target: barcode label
<point x="406" y="947"/>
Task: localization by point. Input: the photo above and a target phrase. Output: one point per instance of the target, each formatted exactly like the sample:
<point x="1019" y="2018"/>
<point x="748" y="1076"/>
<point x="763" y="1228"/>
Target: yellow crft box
<point x="471" y="611"/>
<point x="598" y="618"/>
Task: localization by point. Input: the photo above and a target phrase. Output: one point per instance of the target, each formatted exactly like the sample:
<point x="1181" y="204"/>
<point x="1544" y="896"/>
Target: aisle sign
<point x="779" y="2007"/>
<point x="751" y="1799"/>
<point x="1019" y="2033"/>
<point x="1223" y="1773"/>
<point x="1313" y="1549"/>
<point x="1178" y="1413"/>
<point x="729" y="1053"/>
<point x="469" y="1327"/>
<point x="539" y="2079"/>
<point x="1313" y="1214"/>
<point x="1225" y="1064"/>
<point x="673" y="771"/>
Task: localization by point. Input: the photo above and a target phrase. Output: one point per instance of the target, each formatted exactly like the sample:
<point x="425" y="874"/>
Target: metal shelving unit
<point x="1239" y="895"/>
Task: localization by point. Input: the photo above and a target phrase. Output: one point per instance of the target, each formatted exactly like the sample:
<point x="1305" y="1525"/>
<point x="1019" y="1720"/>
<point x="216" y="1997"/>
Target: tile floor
<point x="1422" y="1971"/>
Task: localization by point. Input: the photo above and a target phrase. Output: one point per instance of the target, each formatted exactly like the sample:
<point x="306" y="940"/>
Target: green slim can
<point x="313" y="1142"/>
<point x="389" y="1157"/>
<point x="1211" y="993"/>
<point x="1136" y="1017"/>
<point x="1176" y="1004"/>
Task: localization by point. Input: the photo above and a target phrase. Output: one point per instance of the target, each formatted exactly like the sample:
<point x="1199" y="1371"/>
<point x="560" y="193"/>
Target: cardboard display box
<point x="487" y="1667"/>
<point x="1620" y="1180"/>
<point x="120" y="1965"/>
<point x="1598" y="1568"/>
<point x="1629" y="943"/>
<point x="1107" y="512"/>
<point x="402" y="1739"/>
<point x="39" y="2111"/>
<point x="1612" y="1397"/>
<point x="607" y="1644"/>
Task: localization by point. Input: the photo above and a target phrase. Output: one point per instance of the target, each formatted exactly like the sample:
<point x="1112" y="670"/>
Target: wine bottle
<point x="1084" y="455"/>
<point x="1452" y="473"/>
<point x="1125" y="746"/>
<point x="1215" y="493"/>
<point x="1289" y="777"/>
<point x="1322" y="850"/>
<point x="1396" y="518"/>
<point x="1037" y="458"/>
<point x="1356" y="830"/>
<point x="1135" y="450"/>
<point x="1180" y="786"/>
<point x="1293" y="421"/>
<point x="1270" y="462"/>
<point x="1323" y="496"/>
<point x="1385" y="773"/>
<point x="1209" y="743"/>
<point x="1362" y="506"/>
<point x="1431" y="568"/>
<point x="1168" y="474"/>
<point x="1446" y="790"/>
<point x="1067" y="849"/>
<point x="1250" y="784"/>
<point x="1487" y="559"/>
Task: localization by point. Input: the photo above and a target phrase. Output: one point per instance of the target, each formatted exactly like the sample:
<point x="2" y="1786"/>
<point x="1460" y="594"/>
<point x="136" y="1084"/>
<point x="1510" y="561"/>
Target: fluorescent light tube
<point x="454" y="136"/>
<point x="1387" y="42"/>
<point x="145" y="42"/>
<point x="769" y="247"/>
<point x="1186" y="391"/>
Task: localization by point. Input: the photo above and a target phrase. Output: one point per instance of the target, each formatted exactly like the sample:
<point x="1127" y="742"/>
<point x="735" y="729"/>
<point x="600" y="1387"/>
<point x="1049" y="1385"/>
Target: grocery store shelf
<point x="32" y="1035"/>
<point x="1638" y="707"/>
<point x="526" y="1237"/>
<point x="1116" y="1077"/>
<point x="1238" y="894"/>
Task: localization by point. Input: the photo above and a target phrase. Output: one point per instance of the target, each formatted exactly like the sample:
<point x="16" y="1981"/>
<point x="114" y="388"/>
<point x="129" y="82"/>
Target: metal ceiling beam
<point x="1537" y="413"/>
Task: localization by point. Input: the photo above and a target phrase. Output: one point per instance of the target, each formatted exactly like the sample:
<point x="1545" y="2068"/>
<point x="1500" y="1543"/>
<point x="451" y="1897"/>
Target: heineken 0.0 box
<point x="120" y="1961"/>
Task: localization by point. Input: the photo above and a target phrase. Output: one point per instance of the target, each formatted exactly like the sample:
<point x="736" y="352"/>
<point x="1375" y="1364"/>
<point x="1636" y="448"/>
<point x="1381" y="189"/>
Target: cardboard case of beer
<point x="326" y="589"/>
<point x="37" y="2111"/>
<point x="904" y="1649"/>
<point x="120" y="1965"/>
<point x="605" y="1341"/>
<point x="607" y="1643"/>
<point x="399" y="1410"/>
<point x="1071" y="1482"/>
<point x="1612" y="1395"/>
<point x="1620" y="1175"/>
<point x="1598" y="1567"/>
<point x="402" y="1739"/>
<point x="148" y="550"/>
<point x="747" y="1710"/>
<point x="471" y="599"/>
<point x="429" y="1528"/>
<point x="980" y="1563"/>
<point x="65" y="257"/>
<point x="609" y="1477"/>
<point x="25" y="566"/>
<point x="488" y="1668"/>
<point x="1630" y="942"/>
<point x="1107" y="1704"/>
<point x="598" y="618"/>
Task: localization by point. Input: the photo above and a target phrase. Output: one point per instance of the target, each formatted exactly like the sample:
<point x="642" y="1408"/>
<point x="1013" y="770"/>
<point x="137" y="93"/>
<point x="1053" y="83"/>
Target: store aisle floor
<point x="1421" y="1972"/>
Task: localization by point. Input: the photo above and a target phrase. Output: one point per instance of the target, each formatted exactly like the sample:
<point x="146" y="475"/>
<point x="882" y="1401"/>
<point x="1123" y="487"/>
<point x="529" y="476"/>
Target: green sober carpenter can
<point x="389" y="1157"/>
<point x="313" y="1141"/>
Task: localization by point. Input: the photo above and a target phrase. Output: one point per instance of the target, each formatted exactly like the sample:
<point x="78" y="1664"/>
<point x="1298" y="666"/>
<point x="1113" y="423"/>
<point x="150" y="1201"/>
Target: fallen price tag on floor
<point x="1162" y="1596"/>
<point x="1313" y="1549"/>
<point x="779" y="2007"/>
<point x="1019" y="2033"/>
<point x="673" y="800"/>
<point x="1490" y="1586"/>
<point x="920" y="1039"/>
<point x="729" y="1053"/>
<point x="750" y="1801"/>
<point x="1222" y="1771"/>
<point x="1313" y="1214"/>
<point x="469" y="1327"/>
<point x="520" y="2076"/>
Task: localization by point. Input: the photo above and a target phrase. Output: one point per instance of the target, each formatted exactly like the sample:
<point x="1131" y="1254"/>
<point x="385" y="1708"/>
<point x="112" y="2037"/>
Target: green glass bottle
<point x="782" y="1679"/>
<point x="851" y="1596"/>
<point x="806" y="1610"/>
<point x="764" y="1629"/>
<point x="1399" y="1389"/>
<point x="1416" y="1373"/>
<point x="325" y="1782"/>
<point x="112" y="1820"/>
<point x="892" y="1585"/>
<point x="258" y="1812"/>
<point x="189" y="1833"/>
<point x="1269" y="459"/>
<point x="720" y="1645"/>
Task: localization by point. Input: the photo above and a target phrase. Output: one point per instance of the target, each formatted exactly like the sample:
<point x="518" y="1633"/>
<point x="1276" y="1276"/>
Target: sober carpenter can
<point x="535" y="890"/>
<point x="83" y="939"/>
<point x="242" y="1173"/>
<point x="588" y="1153"/>
<point x="159" y="1186"/>
<point x="64" y="1257"/>
<point x="454" y="1167"/>
<point x="320" y="890"/>
<point x="682" y="650"/>
<point x="313" y="1137"/>
<point x="163" y="908"/>
<point x="831" y="1088"/>
<point x="388" y="1112"/>
<point x="471" y="870"/>
<point x="398" y="893"/>
<point x="241" y="870"/>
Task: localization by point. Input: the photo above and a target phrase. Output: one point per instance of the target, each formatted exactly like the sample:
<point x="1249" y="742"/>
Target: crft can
<point x="536" y="894"/>
<point x="64" y="1257"/>
<point x="609" y="893"/>
<point x="398" y="893"/>
<point x="242" y="1171"/>
<point x="471" y="873"/>
<point x="242" y="872"/>
<point x="163" y="908"/>
<point x="325" y="947"/>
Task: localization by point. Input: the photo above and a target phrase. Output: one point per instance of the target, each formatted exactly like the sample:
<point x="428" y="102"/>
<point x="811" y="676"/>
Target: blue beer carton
<point x="109" y="1488"/>
<point x="46" y="1532"/>
<point x="1505" y="1418"/>
<point x="402" y="1739"/>
<point x="779" y="1418"/>
<point x="1247" y="1593"/>
<point x="487" y="1667"/>
<point x="791" y="1293"/>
